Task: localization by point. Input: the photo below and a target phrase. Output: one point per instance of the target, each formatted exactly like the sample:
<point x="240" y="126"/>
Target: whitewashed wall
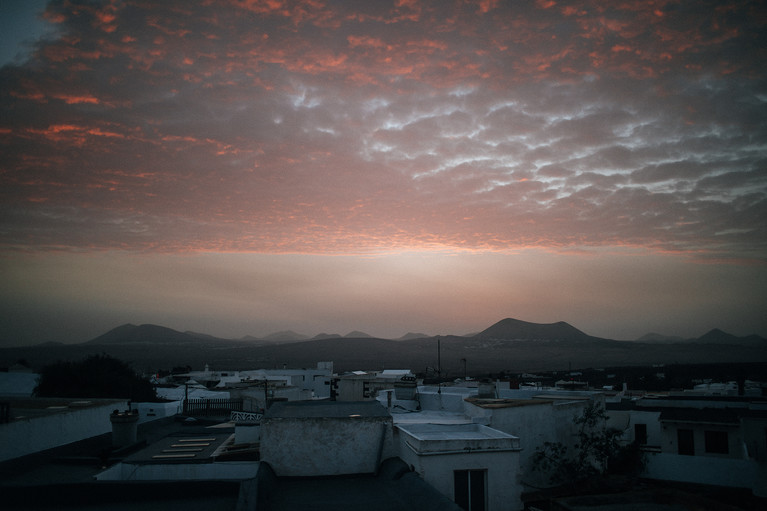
<point x="27" y="436"/>
<point x="325" y="446"/>
<point x="154" y="411"/>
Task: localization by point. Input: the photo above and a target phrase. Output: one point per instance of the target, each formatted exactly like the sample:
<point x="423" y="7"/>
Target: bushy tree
<point x="595" y="446"/>
<point x="97" y="376"/>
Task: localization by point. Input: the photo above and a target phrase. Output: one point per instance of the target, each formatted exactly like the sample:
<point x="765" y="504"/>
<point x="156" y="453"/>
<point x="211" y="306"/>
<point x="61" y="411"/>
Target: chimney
<point x="124" y="427"/>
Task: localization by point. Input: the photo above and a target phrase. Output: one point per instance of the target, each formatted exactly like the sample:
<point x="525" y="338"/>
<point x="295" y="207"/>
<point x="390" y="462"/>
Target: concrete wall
<point x="449" y="399"/>
<point x="317" y="381"/>
<point x="154" y="411"/>
<point x="325" y="446"/>
<point x="755" y="436"/>
<point x="253" y="397"/>
<point x="361" y="388"/>
<point x="27" y="436"/>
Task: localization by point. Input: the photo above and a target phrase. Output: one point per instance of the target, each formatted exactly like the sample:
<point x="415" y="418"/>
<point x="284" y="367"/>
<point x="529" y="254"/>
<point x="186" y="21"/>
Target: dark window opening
<point x="685" y="441"/>
<point x="717" y="442"/>
<point x="470" y="489"/>
<point x="640" y="434"/>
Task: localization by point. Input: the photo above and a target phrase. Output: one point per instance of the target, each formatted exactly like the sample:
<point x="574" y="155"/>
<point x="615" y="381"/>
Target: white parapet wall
<point x="154" y="411"/>
<point x="60" y="425"/>
<point x="228" y="471"/>
<point x="733" y="473"/>
<point x="326" y="438"/>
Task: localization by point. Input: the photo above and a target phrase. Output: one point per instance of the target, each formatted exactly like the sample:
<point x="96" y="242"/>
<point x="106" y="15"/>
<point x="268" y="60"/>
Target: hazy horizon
<point x="241" y="168"/>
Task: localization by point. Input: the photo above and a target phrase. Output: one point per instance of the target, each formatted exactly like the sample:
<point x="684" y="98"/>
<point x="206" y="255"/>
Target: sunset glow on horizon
<point x="242" y="167"/>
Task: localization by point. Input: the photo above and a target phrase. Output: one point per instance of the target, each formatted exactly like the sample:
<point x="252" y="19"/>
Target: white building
<point x="476" y="466"/>
<point x="365" y="385"/>
<point x="456" y="441"/>
<point x="713" y="440"/>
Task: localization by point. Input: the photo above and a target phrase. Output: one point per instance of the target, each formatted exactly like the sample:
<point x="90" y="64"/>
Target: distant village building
<point x="365" y="385"/>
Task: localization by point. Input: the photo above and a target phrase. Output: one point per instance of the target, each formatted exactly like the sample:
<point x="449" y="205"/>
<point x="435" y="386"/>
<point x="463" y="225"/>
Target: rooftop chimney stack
<point x="124" y="427"/>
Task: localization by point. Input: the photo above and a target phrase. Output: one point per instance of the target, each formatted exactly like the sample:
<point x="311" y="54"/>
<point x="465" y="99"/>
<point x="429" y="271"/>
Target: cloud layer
<point x="329" y="127"/>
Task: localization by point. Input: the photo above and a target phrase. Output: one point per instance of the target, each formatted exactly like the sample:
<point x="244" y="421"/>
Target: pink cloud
<point x="335" y="127"/>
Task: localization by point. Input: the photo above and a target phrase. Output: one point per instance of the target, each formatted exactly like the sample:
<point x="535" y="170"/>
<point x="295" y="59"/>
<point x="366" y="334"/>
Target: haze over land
<point x="509" y="345"/>
<point x="243" y="168"/>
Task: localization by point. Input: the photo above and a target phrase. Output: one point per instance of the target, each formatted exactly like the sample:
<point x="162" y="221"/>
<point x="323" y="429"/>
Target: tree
<point x="97" y="376"/>
<point x="595" y="447"/>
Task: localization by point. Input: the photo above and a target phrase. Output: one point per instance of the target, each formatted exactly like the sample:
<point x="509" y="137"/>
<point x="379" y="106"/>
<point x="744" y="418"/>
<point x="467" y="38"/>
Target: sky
<point x="244" y="167"/>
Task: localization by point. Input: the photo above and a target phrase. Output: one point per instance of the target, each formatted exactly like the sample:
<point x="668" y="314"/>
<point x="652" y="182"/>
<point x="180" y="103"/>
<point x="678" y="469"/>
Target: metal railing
<point x="211" y="407"/>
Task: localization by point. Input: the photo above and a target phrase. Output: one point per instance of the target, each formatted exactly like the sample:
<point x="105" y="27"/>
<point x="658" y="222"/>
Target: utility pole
<point x="439" y="360"/>
<point x="439" y="368"/>
<point x="266" y="394"/>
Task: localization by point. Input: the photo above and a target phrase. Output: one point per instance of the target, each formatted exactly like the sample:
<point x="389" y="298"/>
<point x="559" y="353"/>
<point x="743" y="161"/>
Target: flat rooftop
<point x="430" y="416"/>
<point x="31" y="407"/>
<point x="184" y="447"/>
<point x="326" y="409"/>
<point x="507" y="403"/>
<point x="452" y="431"/>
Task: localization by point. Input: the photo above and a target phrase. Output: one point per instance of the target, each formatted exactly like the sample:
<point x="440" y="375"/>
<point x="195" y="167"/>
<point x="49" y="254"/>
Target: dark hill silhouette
<point x="717" y="336"/>
<point x="132" y="334"/>
<point x="323" y="335"/>
<point x="509" y="345"/>
<point x="356" y="334"/>
<point x="514" y="329"/>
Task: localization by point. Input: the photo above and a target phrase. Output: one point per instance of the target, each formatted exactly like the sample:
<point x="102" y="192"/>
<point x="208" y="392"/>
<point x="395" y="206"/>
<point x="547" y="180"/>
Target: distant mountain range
<point x="154" y="334"/>
<point x="508" y="345"/>
<point x="508" y="329"/>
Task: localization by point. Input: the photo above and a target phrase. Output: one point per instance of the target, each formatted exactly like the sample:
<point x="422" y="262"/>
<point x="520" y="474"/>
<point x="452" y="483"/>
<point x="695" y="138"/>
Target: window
<point x="470" y="489"/>
<point x="716" y="442"/>
<point x="685" y="442"/>
<point x="640" y="434"/>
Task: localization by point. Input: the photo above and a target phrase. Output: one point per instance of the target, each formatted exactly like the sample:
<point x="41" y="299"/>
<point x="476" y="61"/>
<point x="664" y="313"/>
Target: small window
<point x="717" y="442"/>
